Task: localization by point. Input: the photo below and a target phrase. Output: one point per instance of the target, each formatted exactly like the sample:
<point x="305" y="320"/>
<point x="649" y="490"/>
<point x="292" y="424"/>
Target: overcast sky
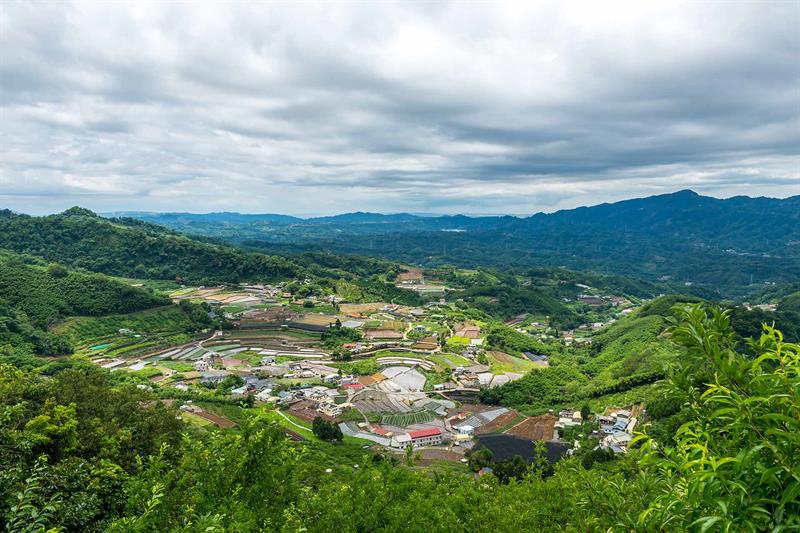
<point x="318" y="109"/>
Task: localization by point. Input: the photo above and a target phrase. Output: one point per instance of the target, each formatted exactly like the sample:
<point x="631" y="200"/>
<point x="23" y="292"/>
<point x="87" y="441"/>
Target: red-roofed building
<point x="381" y="431"/>
<point x="353" y="386"/>
<point x="426" y="437"/>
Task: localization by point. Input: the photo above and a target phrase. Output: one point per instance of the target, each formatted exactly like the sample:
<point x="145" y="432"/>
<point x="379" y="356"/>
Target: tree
<point x="327" y="431"/>
<point x="410" y="454"/>
<point x="57" y="271"/>
<point x="734" y="463"/>
<point x="514" y="468"/>
<point x="586" y="412"/>
<point x="480" y="458"/>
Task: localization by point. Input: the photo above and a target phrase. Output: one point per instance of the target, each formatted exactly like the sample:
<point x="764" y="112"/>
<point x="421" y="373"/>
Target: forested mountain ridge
<point x="682" y="236"/>
<point x="683" y="213"/>
<point x="81" y="239"/>
<point x="139" y="249"/>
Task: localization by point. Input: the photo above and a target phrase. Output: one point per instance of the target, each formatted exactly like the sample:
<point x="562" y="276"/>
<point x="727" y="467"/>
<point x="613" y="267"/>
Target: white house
<point x="400" y="441"/>
<point x="329" y="408"/>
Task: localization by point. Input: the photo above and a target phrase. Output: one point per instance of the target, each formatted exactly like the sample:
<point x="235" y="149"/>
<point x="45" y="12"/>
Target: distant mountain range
<point x="684" y="214"/>
<point x="734" y="246"/>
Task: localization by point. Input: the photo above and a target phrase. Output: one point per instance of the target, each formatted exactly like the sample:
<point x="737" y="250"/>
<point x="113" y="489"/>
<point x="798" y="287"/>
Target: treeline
<point x="372" y="289"/>
<point x="82" y="451"/>
<point x="509" y="340"/>
<point x="539" y="390"/>
<point x="626" y="383"/>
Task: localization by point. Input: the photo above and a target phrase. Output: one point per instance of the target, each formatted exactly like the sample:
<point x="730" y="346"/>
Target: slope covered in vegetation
<point x="131" y="248"/>
<point x="34" y="296"/>
<point x="81" y="239"/>
<point x="630" y="353"/>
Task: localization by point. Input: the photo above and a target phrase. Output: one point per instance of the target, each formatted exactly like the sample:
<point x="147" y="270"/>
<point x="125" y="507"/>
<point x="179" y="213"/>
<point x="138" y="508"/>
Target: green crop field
<point x="406" y="419"/>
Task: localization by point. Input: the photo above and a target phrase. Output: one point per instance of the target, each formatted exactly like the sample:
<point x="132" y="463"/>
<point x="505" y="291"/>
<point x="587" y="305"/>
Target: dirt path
<point x="292" y="422"/>
<point x="407" y="331"/>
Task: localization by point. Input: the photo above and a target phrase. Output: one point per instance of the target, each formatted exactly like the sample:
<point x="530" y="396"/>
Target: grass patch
<point x="500" y="364"/>
<point x="176" y="366"/>
<point x="457" y="343"/>
<point x="454" y="360"/>
<point x="307" y="433"/>
<point x="191" y="418"/>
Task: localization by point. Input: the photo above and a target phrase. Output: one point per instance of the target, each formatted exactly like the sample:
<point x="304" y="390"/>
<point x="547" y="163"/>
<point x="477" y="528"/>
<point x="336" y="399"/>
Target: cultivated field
<point x="502" y="362"/>
<point x="406" y="419"/>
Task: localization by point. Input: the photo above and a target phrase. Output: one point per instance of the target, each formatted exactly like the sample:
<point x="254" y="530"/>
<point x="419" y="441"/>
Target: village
<point x="391" y="376"/>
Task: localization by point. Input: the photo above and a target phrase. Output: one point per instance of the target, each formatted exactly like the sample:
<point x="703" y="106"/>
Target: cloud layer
<point x="316" y="109"/>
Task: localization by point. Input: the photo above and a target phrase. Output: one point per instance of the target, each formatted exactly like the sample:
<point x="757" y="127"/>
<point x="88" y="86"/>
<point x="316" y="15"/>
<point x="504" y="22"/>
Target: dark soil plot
<point x="506" y="447"/>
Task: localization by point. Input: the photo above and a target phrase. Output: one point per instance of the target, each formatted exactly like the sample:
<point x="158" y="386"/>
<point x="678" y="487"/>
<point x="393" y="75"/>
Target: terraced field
<point x="90" y="331"/>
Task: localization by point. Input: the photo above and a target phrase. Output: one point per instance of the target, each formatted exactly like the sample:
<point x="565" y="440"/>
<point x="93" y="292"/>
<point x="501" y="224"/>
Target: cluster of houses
<point x="599" y="301"/>
<point x="617" y="430"/>
<point x="569" y="418"/>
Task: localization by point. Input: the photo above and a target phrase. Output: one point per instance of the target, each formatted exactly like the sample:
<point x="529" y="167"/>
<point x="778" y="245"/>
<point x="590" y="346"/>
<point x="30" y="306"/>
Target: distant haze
<point x="317" y="109"/>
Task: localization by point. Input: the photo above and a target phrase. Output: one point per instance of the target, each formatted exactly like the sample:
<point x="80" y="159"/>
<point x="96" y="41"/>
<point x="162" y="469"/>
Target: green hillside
<point x="34" y="296"/>
<point x="134" y="249"/>
<point x="717" y="246"/>
<point x="79" y="238"/>
<point x="630" y="353"/>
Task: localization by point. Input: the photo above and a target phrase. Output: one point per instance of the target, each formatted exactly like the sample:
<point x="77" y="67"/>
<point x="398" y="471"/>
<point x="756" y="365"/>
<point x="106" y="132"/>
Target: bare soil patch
<point x="535" y="428"/>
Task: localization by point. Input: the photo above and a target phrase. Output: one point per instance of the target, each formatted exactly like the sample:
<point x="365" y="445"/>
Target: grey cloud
<point x="448" y="107"/>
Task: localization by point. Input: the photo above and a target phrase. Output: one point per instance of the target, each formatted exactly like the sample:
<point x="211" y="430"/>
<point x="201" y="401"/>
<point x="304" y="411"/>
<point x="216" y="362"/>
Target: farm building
<point x="329" y="408"/>
<point x="426" y="437"/>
